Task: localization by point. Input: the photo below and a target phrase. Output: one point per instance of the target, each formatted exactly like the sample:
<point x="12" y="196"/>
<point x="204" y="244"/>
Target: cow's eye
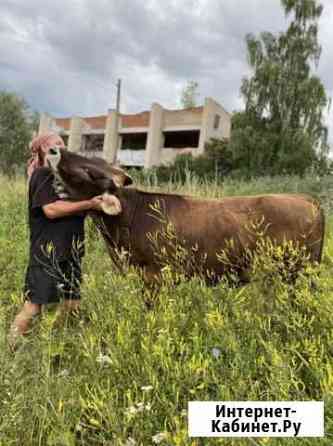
<point x="86" y="170"/>
<point x="53" y="151"/>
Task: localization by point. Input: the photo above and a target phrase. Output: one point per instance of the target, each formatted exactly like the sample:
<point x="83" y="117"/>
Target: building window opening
<point x="93" y="143"/>
<point x="217" y="119"/>
<point x="182" y="139"/>
<point x="134" y="141"/>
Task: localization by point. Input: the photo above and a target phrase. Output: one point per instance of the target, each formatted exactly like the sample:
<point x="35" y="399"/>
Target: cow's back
<point x="213" y="223"/>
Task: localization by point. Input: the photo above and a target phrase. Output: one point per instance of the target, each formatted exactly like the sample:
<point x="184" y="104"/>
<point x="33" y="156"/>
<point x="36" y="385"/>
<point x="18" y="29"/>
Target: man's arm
<point x="62" y="208"/>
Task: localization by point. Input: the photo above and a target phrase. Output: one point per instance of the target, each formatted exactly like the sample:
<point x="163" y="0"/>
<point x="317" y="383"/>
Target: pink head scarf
<point x="39" y="147"/>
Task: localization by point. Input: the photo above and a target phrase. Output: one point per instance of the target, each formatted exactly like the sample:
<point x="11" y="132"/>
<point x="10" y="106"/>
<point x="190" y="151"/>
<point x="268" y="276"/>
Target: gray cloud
<point x="64" y="57"/>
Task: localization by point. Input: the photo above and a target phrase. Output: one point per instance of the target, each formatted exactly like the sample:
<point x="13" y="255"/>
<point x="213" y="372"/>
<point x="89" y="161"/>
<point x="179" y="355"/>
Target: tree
<point x="34" y="119"/>
<point x="284" y="100"/>
<point x="252" y="145"/>
<point x="189" y="94"/>
<point x="16" y="126"/>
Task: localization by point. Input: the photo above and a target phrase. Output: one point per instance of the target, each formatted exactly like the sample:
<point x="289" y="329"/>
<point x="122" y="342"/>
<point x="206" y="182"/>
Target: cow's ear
<point x="111" y="204"/>
<point x="120" y="177"/>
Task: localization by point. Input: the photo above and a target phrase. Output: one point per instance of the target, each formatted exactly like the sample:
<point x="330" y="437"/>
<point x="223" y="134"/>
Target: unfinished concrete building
<point x="145" y="139"/>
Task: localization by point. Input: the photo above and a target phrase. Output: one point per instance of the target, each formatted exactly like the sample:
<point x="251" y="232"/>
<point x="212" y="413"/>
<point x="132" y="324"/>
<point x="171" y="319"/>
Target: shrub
<point x="214" y="164"/>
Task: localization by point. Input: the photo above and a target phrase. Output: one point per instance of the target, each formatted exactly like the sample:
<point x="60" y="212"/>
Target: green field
<point x="123" y="374"/>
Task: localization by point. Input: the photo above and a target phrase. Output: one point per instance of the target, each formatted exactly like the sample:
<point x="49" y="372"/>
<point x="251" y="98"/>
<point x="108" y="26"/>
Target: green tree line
<point x="17" y="123"/>
<point x="281" y="130"/>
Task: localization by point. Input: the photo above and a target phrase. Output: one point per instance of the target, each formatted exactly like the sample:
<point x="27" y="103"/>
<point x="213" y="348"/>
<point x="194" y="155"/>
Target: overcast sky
<point x="64" y="57"/>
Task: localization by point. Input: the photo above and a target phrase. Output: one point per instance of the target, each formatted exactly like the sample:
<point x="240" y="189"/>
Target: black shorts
<point x="49" y="284"/>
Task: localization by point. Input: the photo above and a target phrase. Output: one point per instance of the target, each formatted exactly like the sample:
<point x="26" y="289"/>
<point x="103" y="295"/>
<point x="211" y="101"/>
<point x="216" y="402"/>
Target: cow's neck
<point x="130" y="201"/>
<point x="134" y="202"/>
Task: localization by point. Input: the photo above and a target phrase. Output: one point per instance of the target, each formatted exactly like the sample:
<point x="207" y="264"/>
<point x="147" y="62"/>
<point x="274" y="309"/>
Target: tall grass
<point x="320" y="187"/>
<point x="124" y="373"/>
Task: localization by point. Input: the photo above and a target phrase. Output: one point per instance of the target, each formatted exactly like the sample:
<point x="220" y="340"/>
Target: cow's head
<point x="84" y="178"/>
<point x="81" y="178"/>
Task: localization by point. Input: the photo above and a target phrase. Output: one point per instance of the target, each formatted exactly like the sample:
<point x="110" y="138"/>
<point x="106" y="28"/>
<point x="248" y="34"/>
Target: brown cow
<point x="203" y="227"/>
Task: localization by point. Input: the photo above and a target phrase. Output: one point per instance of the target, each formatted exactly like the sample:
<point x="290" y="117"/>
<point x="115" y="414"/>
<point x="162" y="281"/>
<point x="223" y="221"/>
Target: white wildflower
<point x="79" y="427"/>
<point x="216" y="352"/>
<point x="146" y="388"/>
<point x="158" y="438"/>
<point x="64" y="373"/>
<point x="130" y="442"/>
<point x="104" y="359"/>
<point x="138" y="407"/>
<point x="132" y="410"/>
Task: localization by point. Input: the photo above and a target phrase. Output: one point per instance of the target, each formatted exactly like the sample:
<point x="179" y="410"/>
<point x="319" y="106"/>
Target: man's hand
<point x="96" y="203"/>
<point x="61" y="208"/>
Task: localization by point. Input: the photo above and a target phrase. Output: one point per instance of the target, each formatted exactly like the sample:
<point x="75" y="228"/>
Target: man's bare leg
<point x="22" y="322"/>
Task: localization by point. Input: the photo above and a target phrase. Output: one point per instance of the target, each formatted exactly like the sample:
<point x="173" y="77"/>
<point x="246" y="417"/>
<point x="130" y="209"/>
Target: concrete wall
<point x="211" y="109"/>
<point x="75" y="134"/>
<point x="155" y="137"/>
<point x="131" y="157"/>
<point x="181" y="118"/>
<point x="45" y="123"/>
<point x="111" y="138"/>
<point x="48" y="124"/>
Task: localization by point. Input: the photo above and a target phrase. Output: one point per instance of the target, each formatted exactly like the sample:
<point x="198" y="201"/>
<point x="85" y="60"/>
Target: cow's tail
<point x="317" y="234"/>
<point x="322" y="233"/>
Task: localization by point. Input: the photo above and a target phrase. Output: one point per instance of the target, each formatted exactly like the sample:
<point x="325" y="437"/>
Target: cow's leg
<point x="22" y="322"/>
<point x="152" y="282"/>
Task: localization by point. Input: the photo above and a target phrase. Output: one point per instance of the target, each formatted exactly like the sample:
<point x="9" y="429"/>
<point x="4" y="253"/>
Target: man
<point x="56" y="241"/>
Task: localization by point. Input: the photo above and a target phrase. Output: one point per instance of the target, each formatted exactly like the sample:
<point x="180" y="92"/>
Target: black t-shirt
<point x="51" y="239"/>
